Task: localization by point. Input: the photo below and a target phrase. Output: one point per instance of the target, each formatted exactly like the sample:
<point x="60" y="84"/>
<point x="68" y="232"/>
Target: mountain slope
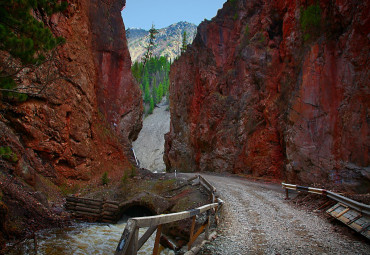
<point x="168" y="40"/>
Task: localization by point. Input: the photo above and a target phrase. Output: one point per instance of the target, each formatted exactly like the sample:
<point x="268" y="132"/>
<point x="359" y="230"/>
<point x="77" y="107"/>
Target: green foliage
<point x="105" y="179"/>
<point x="184" y="42"/>
<point x="233" y="2"/>
<point x="133" y="172"/>
<point x="25" y="37"/>
<point x="153" y="79"/>
<point x="7" y="153"/>
<point x="311" y="21"/>
<point x="246" y="30"/>
<point x="68" y="189"/>
<point x="151" y="105"/>
<point x="151" y="44"/>
<point x="124" y="178"/>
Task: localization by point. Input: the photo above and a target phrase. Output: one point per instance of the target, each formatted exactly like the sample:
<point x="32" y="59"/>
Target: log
<point x="86" y="209"/>
<point x="84" y="201"/>
<point x="114" y="207"/>
<point x="108" y="213"/>
<point x="86" y="213"/>
<point x="112" y="202"/>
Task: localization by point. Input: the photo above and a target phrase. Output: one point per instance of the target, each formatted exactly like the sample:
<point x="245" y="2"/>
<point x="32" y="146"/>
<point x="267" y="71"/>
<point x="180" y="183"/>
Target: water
<point x="83" y="238"/>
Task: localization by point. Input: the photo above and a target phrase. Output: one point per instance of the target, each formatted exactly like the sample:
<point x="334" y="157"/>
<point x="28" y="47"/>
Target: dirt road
<point x="257" y="220"/>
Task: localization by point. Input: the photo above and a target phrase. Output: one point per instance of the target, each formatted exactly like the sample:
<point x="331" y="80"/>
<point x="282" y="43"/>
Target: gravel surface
<point x="257" y="220"/>
<point x="149" y="146"/>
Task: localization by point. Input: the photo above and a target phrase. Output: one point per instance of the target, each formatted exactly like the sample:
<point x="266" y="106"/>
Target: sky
<point x="162" y="13"/>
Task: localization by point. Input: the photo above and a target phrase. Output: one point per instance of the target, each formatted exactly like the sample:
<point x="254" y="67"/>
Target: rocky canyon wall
<point x="81" y="125"/>
<point x="260" y="93"/>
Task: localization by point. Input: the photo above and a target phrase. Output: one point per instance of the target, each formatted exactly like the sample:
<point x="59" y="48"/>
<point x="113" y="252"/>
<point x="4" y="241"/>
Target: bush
<point x="311" y="21"/>
<point x="124" y="178"/>
<point x="8" y="154"/>
<point x="133" y="172"/>
<point x="104" y="179"/>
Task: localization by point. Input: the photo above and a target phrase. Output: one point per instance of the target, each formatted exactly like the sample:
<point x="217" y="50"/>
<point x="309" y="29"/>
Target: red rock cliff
<point x="80" y="126"/>
<point x="254" y="94"/>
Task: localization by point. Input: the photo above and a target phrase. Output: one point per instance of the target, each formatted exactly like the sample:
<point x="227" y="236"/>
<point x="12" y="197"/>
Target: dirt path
<point x="149" y="146"/>
<point x="257" y="220"/>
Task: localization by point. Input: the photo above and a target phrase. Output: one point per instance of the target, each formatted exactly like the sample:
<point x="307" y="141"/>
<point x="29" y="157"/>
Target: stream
<point x="82" y="238"/>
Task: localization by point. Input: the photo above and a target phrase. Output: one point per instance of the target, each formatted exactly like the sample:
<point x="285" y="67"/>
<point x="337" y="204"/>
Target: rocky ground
<point x="149" y="146"/>
<point x="257" y="220"/>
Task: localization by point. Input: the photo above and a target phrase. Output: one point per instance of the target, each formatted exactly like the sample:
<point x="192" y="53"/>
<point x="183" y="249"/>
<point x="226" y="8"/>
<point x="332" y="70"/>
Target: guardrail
<point x="130" y="243"/>
<point x="363" y="208"/>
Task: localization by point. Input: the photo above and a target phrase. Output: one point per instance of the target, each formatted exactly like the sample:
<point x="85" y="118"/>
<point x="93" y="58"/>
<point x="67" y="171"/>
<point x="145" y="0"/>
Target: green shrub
<point x="8" y="154"/>
<point x="133" y="172"/>
<point x="105" y="179"/>
<point x="311" y="21"/>
<point x="124" y="178"/>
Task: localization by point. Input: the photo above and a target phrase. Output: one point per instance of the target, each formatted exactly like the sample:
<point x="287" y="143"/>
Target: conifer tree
<point x="184" y="42"/>
<point x="147" y="95"/>
<point x="24" y="37"/>
<point x="151" y="105"/>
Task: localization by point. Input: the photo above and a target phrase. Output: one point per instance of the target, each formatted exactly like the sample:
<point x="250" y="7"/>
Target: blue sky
<point x="142" y="13"/>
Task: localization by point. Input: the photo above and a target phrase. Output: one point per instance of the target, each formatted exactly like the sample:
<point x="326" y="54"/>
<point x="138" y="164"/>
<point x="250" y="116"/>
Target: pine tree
<point x="151" y="105"/>
<point x="151" y="44"/>
<point x="184" y="42"/>
<point x="24" y="37"/>
<point x="146" y="92"/>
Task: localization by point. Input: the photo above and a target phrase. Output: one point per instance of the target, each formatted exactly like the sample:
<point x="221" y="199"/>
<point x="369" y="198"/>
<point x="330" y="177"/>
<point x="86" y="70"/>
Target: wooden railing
<point x="363" y="208"/>
<point x="130" y="243"/>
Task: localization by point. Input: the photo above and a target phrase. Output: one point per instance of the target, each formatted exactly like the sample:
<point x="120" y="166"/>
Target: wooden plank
<point x="133" y="247"/>
<point x="192" y="179"/>
<point x="207" y="184"/>
<point x="200" y="230"/>
<point x="144" y="222"/>
<point x="343" y="212"/>
<point x="191" y="233"/>
<point x="157" y="238"/>
<point x="126" y="238"/>
<point x="146" y="236"/>
<point x="108" y="213"/>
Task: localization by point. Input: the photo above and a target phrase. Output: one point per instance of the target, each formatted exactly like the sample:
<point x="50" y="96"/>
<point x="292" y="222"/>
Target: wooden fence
<point x="130" y="243"/>
<point x="354" y="214"/>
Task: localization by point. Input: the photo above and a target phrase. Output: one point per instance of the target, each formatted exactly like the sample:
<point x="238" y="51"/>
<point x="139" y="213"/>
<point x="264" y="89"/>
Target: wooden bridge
<point x="130" y="243"/>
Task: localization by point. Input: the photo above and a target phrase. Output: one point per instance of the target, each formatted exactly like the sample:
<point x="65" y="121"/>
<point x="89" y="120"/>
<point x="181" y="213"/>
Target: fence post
<point x="191" y="232"/>
<point x="133" y="246"/>
<point x="207" y="227"/>
<point x="286" y="194"/>
<point x="157" y="239"/>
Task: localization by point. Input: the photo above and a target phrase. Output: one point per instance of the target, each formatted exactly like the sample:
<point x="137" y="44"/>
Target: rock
<point x="251" y="96"/>
<point x="83" y="123"/>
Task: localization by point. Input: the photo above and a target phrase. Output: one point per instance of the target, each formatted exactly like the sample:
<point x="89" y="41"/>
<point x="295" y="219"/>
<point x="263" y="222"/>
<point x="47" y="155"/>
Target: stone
<point x="251" y="96"/>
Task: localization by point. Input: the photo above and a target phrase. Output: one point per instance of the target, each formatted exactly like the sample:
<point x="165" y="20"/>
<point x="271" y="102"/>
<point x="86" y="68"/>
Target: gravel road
<point x="257" y="220"/>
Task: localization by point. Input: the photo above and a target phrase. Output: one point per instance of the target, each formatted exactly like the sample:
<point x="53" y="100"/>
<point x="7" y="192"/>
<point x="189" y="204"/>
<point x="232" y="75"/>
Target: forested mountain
<point x="168" y="40"/>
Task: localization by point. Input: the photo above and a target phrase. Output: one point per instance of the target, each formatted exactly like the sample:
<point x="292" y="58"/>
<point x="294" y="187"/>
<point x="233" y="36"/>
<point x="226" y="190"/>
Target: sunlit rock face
<point x="254" y="94"/>
<point x="82" y="124"/>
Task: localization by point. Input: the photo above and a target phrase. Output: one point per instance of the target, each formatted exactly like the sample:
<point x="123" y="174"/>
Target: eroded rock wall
<point x="253" y="95"/>
<point x="81" y="125"/>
